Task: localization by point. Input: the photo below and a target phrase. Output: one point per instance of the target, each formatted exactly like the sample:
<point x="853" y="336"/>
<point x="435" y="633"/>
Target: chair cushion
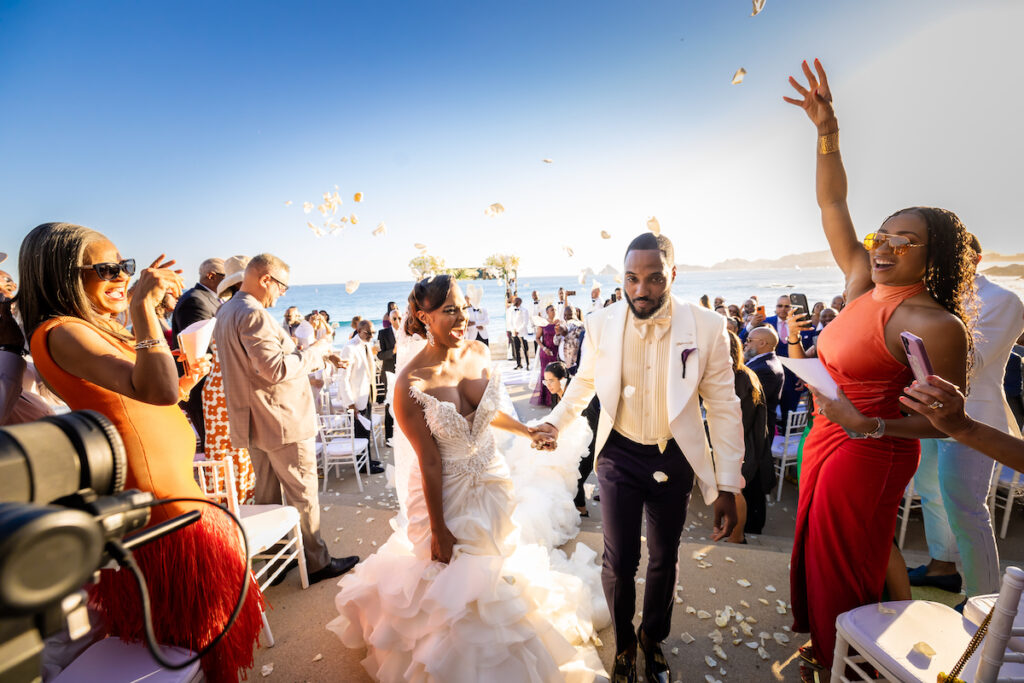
<point x="265" y="525"/>
<point x="889" y="639"/>
<point x="112" y="659"/>
<point x="779" y="441"/>
<point x="342" y="447"/>
<point x="978" y="607"/>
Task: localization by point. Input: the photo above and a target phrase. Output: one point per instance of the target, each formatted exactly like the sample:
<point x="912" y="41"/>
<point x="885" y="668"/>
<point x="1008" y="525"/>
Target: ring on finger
<point x="935" y="405"/>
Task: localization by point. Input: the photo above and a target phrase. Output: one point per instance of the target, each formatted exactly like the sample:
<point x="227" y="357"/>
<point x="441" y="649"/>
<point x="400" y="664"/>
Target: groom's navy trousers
<point x="625" y="472"/>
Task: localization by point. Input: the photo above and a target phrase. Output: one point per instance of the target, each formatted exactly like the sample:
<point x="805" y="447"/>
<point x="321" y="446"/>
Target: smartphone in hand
<point x="800" y="300"/>
<point x="917" y="356"/>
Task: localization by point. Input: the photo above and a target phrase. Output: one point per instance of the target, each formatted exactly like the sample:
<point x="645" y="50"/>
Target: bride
<point x="469" y="588"/>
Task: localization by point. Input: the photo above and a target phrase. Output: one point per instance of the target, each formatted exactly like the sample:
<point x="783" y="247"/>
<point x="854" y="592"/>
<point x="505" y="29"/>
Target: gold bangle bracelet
<point x="828" y="143"/>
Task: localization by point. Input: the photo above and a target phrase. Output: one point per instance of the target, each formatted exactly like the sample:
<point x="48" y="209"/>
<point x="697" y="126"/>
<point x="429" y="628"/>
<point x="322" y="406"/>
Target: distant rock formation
<point x="1013" y="270"/>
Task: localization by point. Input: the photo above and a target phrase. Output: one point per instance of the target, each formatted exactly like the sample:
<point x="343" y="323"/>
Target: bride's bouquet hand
<point x="442" y="543"/>
<point x="816" y="98"/>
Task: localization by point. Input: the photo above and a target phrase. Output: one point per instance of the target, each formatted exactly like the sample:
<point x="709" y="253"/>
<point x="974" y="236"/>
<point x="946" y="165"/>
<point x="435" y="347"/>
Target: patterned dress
<point x="218" y="442"/>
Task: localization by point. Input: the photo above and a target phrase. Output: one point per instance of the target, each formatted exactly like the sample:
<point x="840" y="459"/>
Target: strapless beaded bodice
<point x="466" y="447"/>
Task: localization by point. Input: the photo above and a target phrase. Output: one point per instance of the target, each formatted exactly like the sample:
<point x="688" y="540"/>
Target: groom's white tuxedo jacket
<point x="709" y="375"/>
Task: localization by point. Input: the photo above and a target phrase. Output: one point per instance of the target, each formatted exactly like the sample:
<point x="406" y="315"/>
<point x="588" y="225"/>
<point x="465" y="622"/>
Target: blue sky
<point x="184" y="127"/>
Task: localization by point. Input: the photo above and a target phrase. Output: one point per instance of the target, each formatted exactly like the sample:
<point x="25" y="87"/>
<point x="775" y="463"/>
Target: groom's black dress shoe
<point x="336" y="567"/>
<point x="655" y="665"/>
<point x="948" y="582"/>
<point x="625" y="668"/>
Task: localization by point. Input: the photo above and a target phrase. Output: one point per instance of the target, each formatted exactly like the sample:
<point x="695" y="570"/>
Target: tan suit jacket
<point x="709" y="376"/>
<point x="269" y="399"/>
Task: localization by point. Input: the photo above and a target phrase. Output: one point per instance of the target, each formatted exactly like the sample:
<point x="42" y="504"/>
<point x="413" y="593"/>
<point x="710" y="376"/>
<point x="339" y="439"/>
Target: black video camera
<point x="61" y="502"/>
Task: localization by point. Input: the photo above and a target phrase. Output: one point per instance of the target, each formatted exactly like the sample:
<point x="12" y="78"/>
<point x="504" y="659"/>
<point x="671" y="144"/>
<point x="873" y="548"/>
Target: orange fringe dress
<point x="850" y="489"/>
<point x="193" y="573"/>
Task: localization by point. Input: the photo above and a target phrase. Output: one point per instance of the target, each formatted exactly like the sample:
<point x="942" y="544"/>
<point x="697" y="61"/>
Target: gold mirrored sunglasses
<point x="898" y="243"/>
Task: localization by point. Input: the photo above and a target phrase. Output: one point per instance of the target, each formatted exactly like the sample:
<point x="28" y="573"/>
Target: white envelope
<point x="813" y="373"/>
<point x="194" y="340"/>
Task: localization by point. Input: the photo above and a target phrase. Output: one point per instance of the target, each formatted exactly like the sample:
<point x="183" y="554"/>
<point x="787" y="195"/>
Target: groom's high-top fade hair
<point x="648" y="241"/>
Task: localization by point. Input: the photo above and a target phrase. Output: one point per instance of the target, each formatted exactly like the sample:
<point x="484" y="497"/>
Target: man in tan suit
<point x="270" y="403"/>
<point x="650" y="359"/>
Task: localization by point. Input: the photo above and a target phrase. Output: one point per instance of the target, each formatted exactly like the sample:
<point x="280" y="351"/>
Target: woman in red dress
<point x="74" y="286"/>
<point x="913" y="273"/>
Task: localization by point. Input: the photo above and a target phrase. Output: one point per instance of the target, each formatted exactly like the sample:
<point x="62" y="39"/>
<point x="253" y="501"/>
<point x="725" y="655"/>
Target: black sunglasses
<point x="283" y="286"/>
<point x="110" y="271"/>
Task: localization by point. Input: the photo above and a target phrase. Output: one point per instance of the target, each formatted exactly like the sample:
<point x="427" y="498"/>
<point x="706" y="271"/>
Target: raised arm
<point x="413" y="423"/>
<point x="830" y="180"/>
<point x="153" y="378"/>
<point x="268" y="357"/>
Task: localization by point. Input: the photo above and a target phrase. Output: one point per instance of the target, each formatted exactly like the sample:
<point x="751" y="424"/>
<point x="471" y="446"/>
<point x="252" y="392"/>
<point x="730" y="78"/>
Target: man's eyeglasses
<point x="898" y="243"/>
<point x="782" y="306"/>
<point x="110" y="271"/>
<point x="283" y="286"/>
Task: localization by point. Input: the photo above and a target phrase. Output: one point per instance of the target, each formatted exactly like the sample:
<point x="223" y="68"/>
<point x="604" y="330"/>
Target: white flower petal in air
<point x="653" y="225"/>
<point x="568" y="250"/>
<point x="495" y="209"/>
<point x="628" y="391"/>
<point x="380" y="230"/>
<point x="758" y="7"/>
<point x="548" y="161"/>
<point x="605" y="235"/>
<point x="924" y="649"/>
<point x="419" y="245"/>
<point x="288" y="203"/>
<point x="358" y="196"/>
<point x="660" y="477"/>
<point x="618" y="278"/>
<point x="737" y="78"/>
<point x="323" y="209"/>
<point x="315" y="228"/>
<point x="351" y="286"/>
<point x="353" y="219"/>
<point x="307" y="207"/>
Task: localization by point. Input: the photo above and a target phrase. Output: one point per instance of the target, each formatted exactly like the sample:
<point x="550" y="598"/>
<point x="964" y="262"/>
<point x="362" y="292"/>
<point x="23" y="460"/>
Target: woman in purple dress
<point x="547" y="351"/>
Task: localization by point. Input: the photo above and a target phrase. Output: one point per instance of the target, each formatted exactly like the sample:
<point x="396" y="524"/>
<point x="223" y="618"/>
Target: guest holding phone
<point x="913" y="273"/>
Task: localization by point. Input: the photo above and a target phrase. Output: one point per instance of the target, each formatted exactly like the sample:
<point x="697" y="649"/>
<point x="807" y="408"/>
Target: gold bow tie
<point x="660" y="325"/>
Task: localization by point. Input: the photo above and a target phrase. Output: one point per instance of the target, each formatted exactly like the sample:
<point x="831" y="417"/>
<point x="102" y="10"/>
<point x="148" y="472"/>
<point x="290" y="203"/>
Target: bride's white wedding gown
<point x="508" y="607"/>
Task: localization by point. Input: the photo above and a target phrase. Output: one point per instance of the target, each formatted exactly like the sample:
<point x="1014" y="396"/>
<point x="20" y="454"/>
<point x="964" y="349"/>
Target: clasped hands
<point x="544" y="436"/>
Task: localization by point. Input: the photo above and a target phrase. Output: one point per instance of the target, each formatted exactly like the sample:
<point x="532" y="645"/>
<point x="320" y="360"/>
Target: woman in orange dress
<point x="73" y="287"/>
<point x="914" y="273"/>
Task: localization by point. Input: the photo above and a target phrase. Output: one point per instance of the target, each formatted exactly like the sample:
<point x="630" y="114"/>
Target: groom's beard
<point x="657" y="305"/>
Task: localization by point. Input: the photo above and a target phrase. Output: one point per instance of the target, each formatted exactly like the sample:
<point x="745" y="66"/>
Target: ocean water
<point x="370" y="300"/>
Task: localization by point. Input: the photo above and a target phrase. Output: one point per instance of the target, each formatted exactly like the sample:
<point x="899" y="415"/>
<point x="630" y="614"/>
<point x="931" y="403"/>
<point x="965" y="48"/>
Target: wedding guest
<point x="555" y="378"/>
<point x="386" y="344"/>
<point x="618" y="293"/>
<point x="197" y="304"/>
<point x="217" y="444"/>
<point x="535" y="312"/>
<point x="595" y="300"/>
<point x="838" y="302"/>
<point x="358" y="389"/>
<point x="292" y="320"/>
<point x="478" y="322"/>
<point x="758" y="464"/>
<point x="545" y="335"/>
<point x="722" y="311"/>
<point x="719" y="302"/>
<point x="734" y="311"/>
<point x="816" y="310"/>
<point x="912" y="273"/>
<point x="952" y="479"/>
<point x="651" y="440"/>
<point x="270" y="403"/>
<point x="761" y="359"/>
<point x="74" y="286"/>
<point x="705" y="301"/>
<point x="8" y="286"/>
<point x="569" y="339"/>
<point x="1013" y="386"/>
<point x="518" y="324"/>
<point x="386" y="320"/>
<point x="791" y="389"/>
<point x="21" y="389"/>
<point x="355" y="326"/>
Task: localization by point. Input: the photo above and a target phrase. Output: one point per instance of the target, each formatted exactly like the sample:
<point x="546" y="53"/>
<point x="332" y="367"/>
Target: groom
<point x="649" y="358"/>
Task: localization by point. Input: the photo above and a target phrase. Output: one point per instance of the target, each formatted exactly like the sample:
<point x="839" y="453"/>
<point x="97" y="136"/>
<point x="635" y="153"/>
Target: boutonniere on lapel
<point x="686" y="354"/>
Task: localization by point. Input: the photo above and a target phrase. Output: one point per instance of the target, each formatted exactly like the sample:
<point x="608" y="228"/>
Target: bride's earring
<point x="430" y="336"/>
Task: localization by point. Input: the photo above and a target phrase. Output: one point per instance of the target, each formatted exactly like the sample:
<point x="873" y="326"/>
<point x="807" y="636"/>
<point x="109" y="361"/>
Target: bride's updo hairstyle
<point x="427" y="295"/>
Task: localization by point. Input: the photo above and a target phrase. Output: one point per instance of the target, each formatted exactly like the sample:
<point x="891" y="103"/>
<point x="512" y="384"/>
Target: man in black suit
<point x="759" y="352"/>
<point x="386" y="342"/>
<point x="780" y="323"/>
<point x="198" y="303"/>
